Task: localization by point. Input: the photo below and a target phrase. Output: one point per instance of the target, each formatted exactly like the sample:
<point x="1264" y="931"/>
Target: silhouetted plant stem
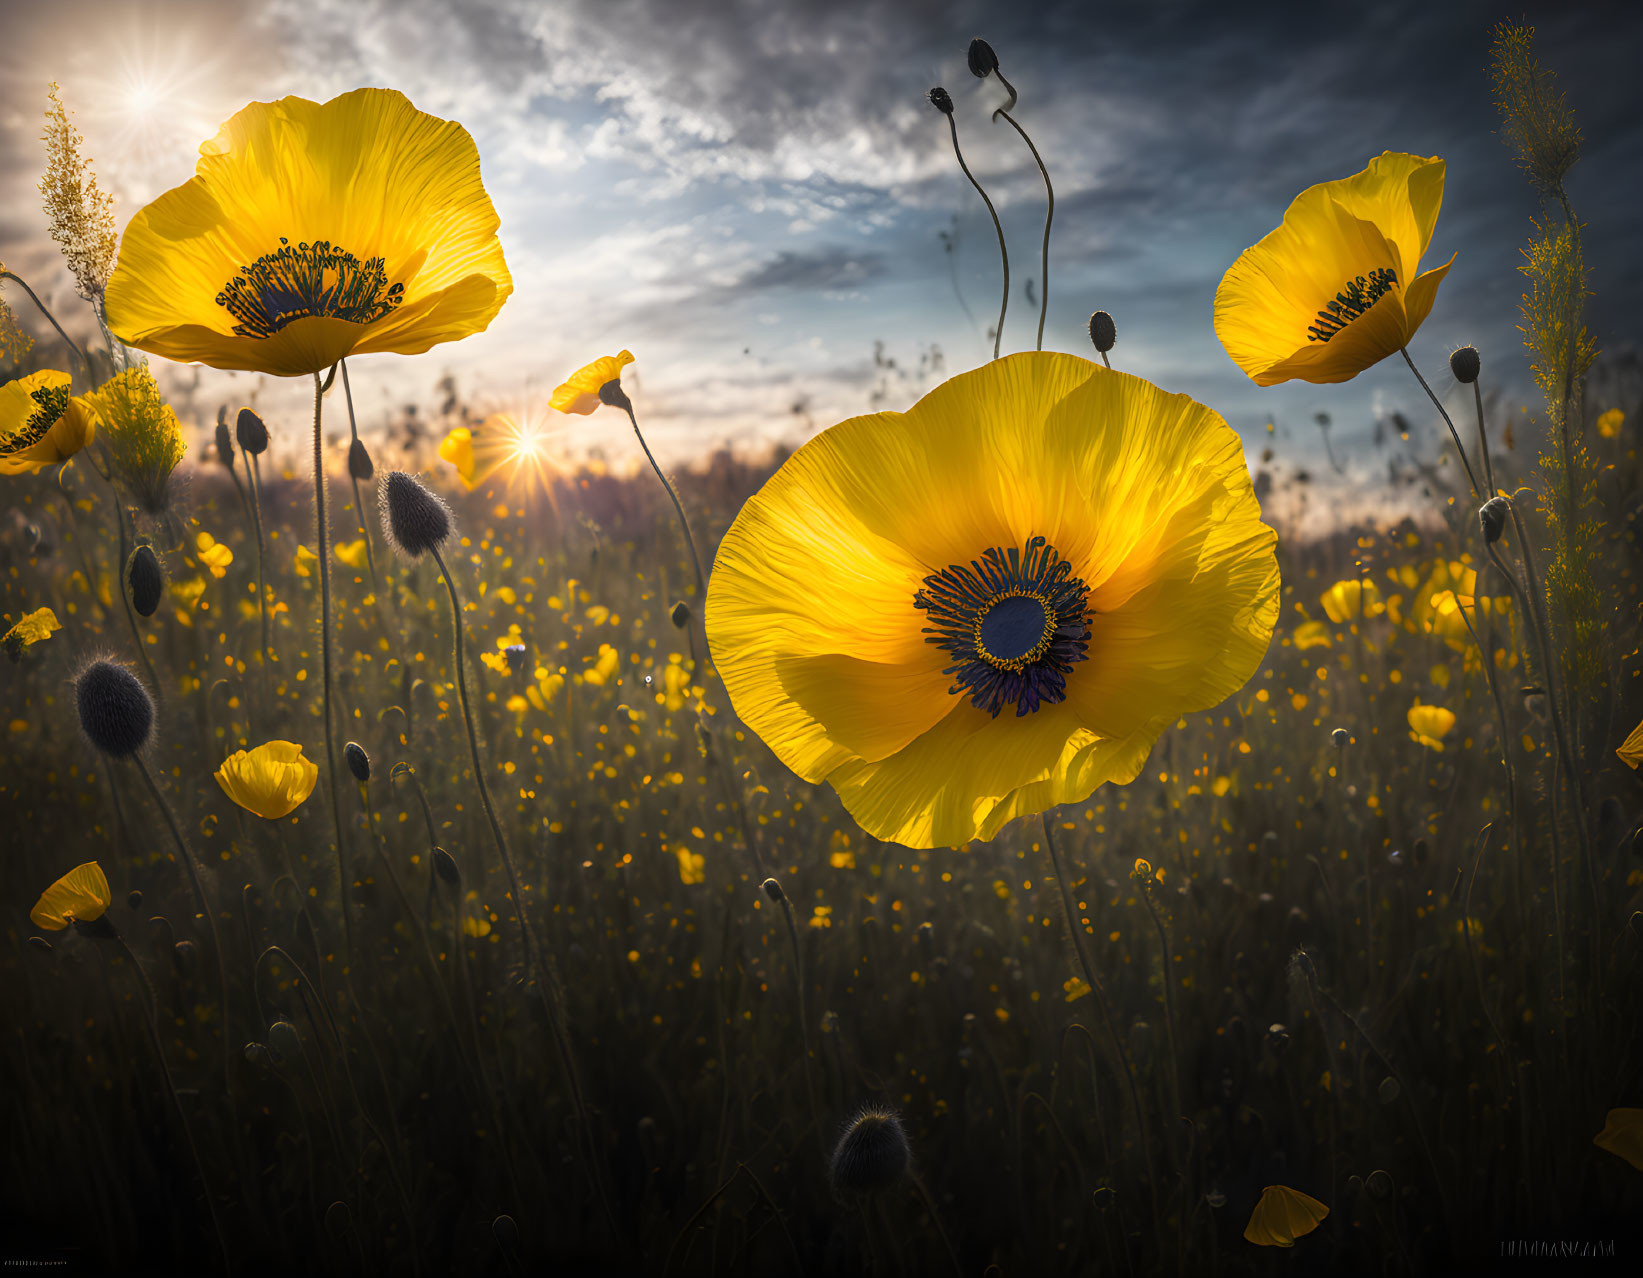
<point x="40" y="306"/>
<point x="678" y="507"/>
<point x="539" y="965"/>
<point x="253" y="476"/>
<point x="322" y="549"/>
<point x="1003" y="253"/>
<point x="1049" y="216"/>
<point x="359" y="508"/>
<point x="1075" y="932"/>
<point x="1444" y="413"/>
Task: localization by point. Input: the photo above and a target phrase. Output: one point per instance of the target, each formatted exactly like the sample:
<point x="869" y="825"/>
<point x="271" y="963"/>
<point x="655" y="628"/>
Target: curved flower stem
<point x="74" y="346"/>
<point x="205" y="908"/>
<point x="1074" y="932"/>
<point x="153" y="1024"/>
<point x="804" y="1019"/>
<point x="322" y="549"/>
<point x="79" y="545"/>
<point x="359" y="509"/>
<point x="1483" y="438"/>
<point x="1444" y="413"/>
<point x="1004" y="253"/>
<point x="253" y="474"/>
<point x="538" y="966"/>
<point x="1049" y="216"/>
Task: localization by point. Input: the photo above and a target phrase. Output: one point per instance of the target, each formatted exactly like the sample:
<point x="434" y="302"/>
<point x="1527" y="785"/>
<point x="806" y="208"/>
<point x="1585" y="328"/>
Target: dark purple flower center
<point x="296" y="282"/>
<point x="1014" y="622"/>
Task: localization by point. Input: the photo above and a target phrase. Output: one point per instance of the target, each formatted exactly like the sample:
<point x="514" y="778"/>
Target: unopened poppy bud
<point x="1389" y="1090"/>
<point x="145" y="579"/>
<point x="259" y="1055"/>
<point x="681" y="615"/>
<point x="225" y="444"/>
<point x="251" y="432"/>
<point x="445" y="867"/>
<point x="1466" y="365"/>
<point x="941" y="100"/>
<point x="872" y="1155"/>
<point x="773" y="890"/>
<point x="414" y="520"/>
<point x="116" y="712"/>
<point x="1492" y="516"/>
<point x="983" y="61"/>
<point x="283" y="1041"/>
<point x="360" y="465"/>
<point x="184" y="954"/>
<point x="1379" y="1185"/>
<point x="359" y="763"/>
<point x="134" y="899"/>
<point x="1103" y="332"/>
<point x="506" y="1233"/>
<point x="1340" y="737"/>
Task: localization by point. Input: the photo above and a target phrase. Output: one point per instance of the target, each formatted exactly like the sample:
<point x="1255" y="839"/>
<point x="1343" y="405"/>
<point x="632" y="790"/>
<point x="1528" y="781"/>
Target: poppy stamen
<point x="1352" y="301"/>
<point x="1015" y="621"/>
<point x="52" y="403"/>
<point x="307" y="280"/>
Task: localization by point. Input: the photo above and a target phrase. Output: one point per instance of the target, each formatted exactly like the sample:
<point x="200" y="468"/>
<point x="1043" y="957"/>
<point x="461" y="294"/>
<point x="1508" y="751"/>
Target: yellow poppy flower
<point x="311" y="231"/>
<point x="1631" y="749"/>
<point x="272" y="781"/>
<point x="80" y="896"/>
<point x="41" y="424"/>
<point x="1337" y="286"/>
<point x="31" y="628"/>
<point x="579" y="393"/>
<point x="1283" y="1215"/>
<point x="213" y="554"/>
<point x="352" y="553"/>
<point x="1428" y="725"/>
<point x="1311" y="634"/>
<point x="1609" y="424"/>
<point x="996" y="601"/>
<point x="1622" y="1135"/>
<point x="1348" y="600"/>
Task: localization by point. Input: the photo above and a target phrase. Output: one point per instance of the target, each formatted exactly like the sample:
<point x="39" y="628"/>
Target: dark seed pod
<point x="251" y="432"/>
<point x="1339" y="738"/>
<point x="1380" y="1185"/>
<point x="872" y="1155"/>
<point x="414" y="520"/>
<point x="359" y="763"/>
<point x="506" y="1233"/>
<point x="116" y="712"/>
<point x="283" y="1042"/>
<point x="225" y="444"/>
<point x="1277" y="1038"/>
<point x="1466" y="365"/>
<point x="983" y="61"/>
<point x="941" y="100"/>
<point x="338" y="1221"/>
<point x="1103" y="332"/>
<point x="1389" y="1090"/>
<point x="360" y="465"/>
<point x="1492" y="516"/>
<point x="773" y="890"/>
<point x="259" y="1055"/>
<point x="184" y="954"/>
<point x="445" y="867"/>
<point x="681" y="615"/>
<point x="134" y="898"/>
<point x="145" y="579"/>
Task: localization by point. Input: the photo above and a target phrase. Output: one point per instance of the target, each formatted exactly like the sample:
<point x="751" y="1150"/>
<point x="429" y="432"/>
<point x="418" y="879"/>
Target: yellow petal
<point x="271" y="781"/>
<point x="1282" y="1215"/>
<point x="1622" y="1135"/>
<point x="31" y="628"/>
<point x="1430" y="721"/>
<point x="1631" y="749"/>
<point x="81" y="894"/>
<point x="579" y="393"/>
<point x="353" y="553"/>
<point x="366" y="173"/>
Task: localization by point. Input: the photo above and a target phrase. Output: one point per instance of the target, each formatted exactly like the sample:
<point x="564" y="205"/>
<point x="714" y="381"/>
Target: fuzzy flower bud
<point x="251" y="432"/>
<point x="872" y="1155"/>
<point x="1103" y="332"/>
<point x="145" y="580"/>
<point x="941" y="100"/>
<point x="360" y="465"/>
<point x="116" y="712"/>
<point x="1466" y="365"/>
<point x="414" y="520"/>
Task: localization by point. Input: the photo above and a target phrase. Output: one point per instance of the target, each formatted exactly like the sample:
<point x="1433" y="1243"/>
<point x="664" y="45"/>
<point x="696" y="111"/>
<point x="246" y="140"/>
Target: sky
<point x="752" y="196"/>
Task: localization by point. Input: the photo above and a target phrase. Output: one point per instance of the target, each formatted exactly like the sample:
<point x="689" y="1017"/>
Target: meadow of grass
<point x="1337" y="969"/>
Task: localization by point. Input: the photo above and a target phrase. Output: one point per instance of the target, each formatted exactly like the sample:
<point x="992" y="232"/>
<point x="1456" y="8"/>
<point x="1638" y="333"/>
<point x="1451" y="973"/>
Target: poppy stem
<point x="1003" y="253"/>
<point x="678" y="506"/>
<point x="323" y="550"/>
<point x="40" y="306"/>
<point x="539" y="967"/>
<point x="359" y="509"/>
<point x="1074" y="932"/>
<point x="253" y="474"/>
<point x="1049" y="216"/>
<point x="1471" y="478"/>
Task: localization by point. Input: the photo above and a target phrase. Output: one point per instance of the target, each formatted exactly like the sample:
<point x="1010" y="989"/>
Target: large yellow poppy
<point x="996" y="601"/>
<point x="272" y="781"/>
<point x="313" y="231"/>
<point x="1337" y="286"/>
<point x="41" y="424"/>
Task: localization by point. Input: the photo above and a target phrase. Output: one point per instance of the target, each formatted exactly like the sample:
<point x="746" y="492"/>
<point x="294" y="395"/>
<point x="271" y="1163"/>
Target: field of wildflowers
<point x="405" y="877"/>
